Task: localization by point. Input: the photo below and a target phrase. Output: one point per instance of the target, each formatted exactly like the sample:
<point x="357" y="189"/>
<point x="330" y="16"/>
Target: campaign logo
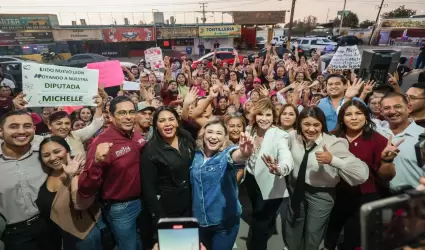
<point x="123" y="151"/>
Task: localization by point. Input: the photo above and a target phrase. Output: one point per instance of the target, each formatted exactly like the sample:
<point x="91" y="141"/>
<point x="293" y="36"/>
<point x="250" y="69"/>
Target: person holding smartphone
<point x="214" y="184"/>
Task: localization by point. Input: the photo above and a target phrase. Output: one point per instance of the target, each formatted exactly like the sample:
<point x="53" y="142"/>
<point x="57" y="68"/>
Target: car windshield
<point x="260" y="39"/>
<point x="326" y="40"/>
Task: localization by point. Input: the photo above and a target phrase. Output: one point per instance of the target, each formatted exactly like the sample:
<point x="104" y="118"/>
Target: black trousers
<point x="263" y="214"/>
<point x="346" y="214"/>
<point x="36" y="235"/>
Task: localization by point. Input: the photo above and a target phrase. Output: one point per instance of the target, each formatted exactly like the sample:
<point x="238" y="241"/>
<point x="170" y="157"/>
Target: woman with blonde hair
<point x="266" y="187"/>
<point x="214" y="184"/>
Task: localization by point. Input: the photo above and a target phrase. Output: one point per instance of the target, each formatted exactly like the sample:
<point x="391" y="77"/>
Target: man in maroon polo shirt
<point x="112" y="169"/>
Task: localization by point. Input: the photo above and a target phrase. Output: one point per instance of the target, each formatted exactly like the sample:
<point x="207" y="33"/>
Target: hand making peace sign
<point x="391" y="151"/>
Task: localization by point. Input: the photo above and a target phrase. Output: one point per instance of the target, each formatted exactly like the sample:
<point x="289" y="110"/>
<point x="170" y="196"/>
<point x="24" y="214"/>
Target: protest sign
<point x="346" y="57"/>
<point x="110" y="73"/>
<point x="155" y="58"/>
<point x="51" y="86"/>
<point x="130" y="86"/>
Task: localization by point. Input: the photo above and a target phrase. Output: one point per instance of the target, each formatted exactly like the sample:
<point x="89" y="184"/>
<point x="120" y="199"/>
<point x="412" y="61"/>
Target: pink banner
<point x="110" y="73"/>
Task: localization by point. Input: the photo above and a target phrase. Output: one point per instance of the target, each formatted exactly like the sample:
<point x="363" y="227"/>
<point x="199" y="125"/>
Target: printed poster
<point x="155" y="58"/>
<point x="53" y="86"/>
<point x="346" y="57"/>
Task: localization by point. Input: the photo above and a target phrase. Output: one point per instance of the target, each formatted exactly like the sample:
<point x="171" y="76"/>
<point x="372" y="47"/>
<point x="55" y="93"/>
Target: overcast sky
<point x="186" y="11"/>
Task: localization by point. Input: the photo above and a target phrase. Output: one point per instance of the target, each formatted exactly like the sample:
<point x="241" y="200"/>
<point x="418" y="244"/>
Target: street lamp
<point x="291" y="23"/>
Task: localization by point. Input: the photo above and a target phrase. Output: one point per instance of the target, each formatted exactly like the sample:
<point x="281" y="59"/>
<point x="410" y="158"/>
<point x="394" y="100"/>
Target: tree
<point x="400" y="12"/>
<point x="366" y="23"/>
<point x="350" y="20"/>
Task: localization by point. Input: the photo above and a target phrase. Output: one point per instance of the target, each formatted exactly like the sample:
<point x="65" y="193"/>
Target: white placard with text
<point x="52" y="86"/>
<point x="346" y="57"/>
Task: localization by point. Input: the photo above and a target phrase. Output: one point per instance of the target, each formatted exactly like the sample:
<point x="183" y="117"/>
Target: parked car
<point x="13" y="71"/>
<point x="348" y="40"/>
<point x="225" y="56"/>
<point x="261" y="42"/>
<point x="229" y="49"/>
<point x="81" y="60"/>
<point x="11" y="59"/>
<point x="312" y="44"/>
<point x="262" y="53"/>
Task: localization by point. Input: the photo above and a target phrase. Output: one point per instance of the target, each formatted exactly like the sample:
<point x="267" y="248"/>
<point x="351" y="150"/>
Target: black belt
<point x="23" y="224"/>
<point x="117" y="201"/>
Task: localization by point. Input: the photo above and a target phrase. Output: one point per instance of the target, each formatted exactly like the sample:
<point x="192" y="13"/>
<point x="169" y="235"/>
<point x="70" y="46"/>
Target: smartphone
<point x="178" y="234"/>
<point x="394" y="222"/>
<point x="420" y="150"/>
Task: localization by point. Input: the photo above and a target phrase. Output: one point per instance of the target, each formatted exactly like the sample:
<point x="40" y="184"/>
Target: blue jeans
<point x="122" y="218"/>
<point x="420" y="61"/>
<point x="220" y="237"/>
<point x="92" y="241"/>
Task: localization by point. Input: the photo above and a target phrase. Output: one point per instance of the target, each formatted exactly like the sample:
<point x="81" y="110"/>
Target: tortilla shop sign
<point x="220" y="31"/>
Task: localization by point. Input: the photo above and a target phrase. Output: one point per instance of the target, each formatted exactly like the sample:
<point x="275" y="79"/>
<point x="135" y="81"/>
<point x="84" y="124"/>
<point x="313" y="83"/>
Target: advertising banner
<point x="24" y="38"/>
<point x="120" y="35"/>
<point x="404" y="23"/>
<point x="176" y="32"/>
<point x="258" y="17"/>
<point x="16" y="22"/>
<point x="77" y="35"/>
<point x="220" y="31"/>
<point x="52" y="86"/>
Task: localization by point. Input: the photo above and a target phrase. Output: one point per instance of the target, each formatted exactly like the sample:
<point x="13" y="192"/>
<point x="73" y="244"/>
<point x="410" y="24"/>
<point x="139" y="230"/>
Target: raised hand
<point x="98" y="101"/>
<point x="271" y="164"/>
<point x="239" y="86"/>
<point x="354" y="89"/>
<point x="102" y="151"/>
<point x="314" y="102"/>
<point x="324" y="157"/>
<point x="246" y="144"/>
<point x="74" y="165"/>
<point x="191" y="96"/>
<point x="214" y="91"/>
<point x="393" y="79"/>
<point x="264" y="91"/>
<point x="19" y="102"/>
<point x="391" y="151"/>
<point x="368" y="87"/>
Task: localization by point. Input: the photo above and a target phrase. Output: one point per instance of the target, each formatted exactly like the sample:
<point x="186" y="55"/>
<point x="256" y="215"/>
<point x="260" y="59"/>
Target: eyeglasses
<point x="412" y="97"/>
<point x="123" y="113"/>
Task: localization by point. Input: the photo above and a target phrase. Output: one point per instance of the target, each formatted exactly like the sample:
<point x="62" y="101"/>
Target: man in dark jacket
<point x="112" y="169"/>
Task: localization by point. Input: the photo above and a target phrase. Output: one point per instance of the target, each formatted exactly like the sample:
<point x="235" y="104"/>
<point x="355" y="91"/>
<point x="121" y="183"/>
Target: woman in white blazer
<point x="320" y="161"/>
<point x="266" y="190"/>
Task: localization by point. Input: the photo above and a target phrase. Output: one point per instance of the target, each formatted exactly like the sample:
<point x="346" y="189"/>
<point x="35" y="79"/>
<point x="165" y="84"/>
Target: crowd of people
<point x="308" y="143"/>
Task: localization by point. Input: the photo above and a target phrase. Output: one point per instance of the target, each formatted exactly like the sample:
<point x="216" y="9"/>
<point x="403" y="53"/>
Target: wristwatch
<point x="387" y="161"/>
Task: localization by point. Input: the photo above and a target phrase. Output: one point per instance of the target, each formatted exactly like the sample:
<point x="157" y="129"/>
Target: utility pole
<point x="327" y="15"/>
<point x="342" y="18"/>
<point x="291" y="24"/>
<point x="204" y="19"/>
<point x="377" y="19"/>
